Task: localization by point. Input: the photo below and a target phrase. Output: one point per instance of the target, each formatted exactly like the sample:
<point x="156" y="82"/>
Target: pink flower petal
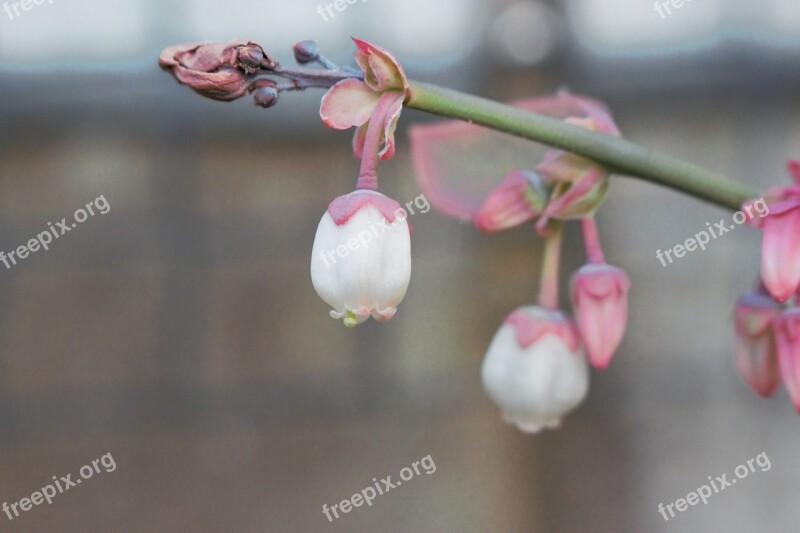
<point x="382" y="71"/>
<point x="780" y="250"/>
<point x="359" y="137"/>
<point x="348" y="103"/>
<point x="514" y="201"/>
<point x="395" y="107"/>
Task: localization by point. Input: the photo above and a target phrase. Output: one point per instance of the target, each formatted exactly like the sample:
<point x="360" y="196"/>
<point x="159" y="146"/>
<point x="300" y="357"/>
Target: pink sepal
<point x="344" y="207"/>
<point x="529" y="328"/>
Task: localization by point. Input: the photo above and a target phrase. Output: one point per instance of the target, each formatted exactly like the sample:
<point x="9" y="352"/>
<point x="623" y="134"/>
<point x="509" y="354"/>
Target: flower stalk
<point x="368" y="175"/>
<point x="548" y="286"/>
<point x="229" y="72"/>
<point x="617" y="154"/>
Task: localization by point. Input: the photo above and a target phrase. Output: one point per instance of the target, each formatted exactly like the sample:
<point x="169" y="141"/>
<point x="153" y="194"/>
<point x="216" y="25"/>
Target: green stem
<point x="618" y="155"/>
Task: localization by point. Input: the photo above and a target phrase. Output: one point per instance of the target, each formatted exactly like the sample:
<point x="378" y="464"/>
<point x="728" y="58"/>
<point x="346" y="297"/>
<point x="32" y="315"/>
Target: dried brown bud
<point x="249" y="58"/>
<point x="215" y="70"/>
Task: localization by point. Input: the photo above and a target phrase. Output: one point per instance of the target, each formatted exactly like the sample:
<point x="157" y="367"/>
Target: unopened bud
<point x="266" y="95"/>
<point x="755" y="350"/>
<point x="600" y="302"/>
<point x="518" y="198"/>
<point x="306" y="52"/>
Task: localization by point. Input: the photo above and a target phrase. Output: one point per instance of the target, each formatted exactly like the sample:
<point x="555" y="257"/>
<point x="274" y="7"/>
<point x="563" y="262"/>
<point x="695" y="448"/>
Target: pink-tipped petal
<point x="787" y="336"/>
<point x="600" y="304"/>
<point x="780" y="250"/>
<point x="577" y="200"/>
<point x="517" y="199"/>
<point x="348" y="103"/>
<point x="382" y="71"/>
<point x="395" y="107"/>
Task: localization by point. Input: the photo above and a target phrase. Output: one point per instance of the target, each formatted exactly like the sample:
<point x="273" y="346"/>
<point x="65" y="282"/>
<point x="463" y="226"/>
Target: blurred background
<point x="180" y="331"/>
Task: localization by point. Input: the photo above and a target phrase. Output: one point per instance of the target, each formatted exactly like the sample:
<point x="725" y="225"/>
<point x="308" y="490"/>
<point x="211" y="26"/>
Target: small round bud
<point x="306" y="52"/>
<point x="265" y="96"/>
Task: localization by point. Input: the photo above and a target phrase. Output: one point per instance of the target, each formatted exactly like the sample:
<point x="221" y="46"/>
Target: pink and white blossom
<point x="534" y="369"/>
<point x="361" y="258"/>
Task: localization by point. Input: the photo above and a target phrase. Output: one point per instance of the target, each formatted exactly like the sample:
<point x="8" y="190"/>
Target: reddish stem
<point x="548" y="285"/>
<point x="368" y="175"/>
<point x="592" y="241"/>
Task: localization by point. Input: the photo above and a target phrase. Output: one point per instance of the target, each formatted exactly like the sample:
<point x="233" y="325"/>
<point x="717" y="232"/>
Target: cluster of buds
<point x="767" y="320"/>
<point x="535" y="369"/>
<point x="229" y="71"/>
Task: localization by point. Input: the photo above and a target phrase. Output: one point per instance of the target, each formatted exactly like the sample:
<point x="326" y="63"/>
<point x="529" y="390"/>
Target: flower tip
<point x="793" y="166"/>
<point x="780" y="292"/>
<point x="599" y="363"/>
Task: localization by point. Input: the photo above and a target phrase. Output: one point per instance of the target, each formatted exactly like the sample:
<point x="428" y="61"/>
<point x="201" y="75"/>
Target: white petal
<point x="363" y="265"/>
<point x="536" y="386"/>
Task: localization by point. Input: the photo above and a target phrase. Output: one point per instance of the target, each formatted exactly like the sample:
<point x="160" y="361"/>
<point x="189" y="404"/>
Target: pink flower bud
<point x="600" y="304"/>
<point x="755" y="350"/>
<point x="780" y="249"/>
<point x="534" y="369"/>
<point x="787" y="337"/>
<point x="517" y="199"/>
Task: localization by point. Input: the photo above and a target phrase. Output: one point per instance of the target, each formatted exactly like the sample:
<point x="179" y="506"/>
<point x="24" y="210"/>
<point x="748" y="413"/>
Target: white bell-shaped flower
<point x="361" y="260"/>
<point x="535" y="369"/>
